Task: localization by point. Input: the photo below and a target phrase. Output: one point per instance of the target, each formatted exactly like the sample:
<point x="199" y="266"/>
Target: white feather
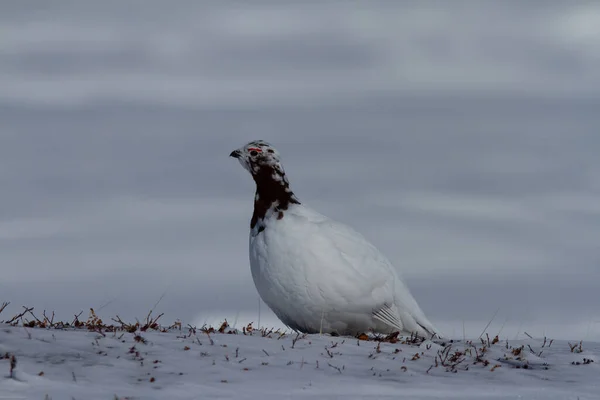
<point x="316" y="273"/>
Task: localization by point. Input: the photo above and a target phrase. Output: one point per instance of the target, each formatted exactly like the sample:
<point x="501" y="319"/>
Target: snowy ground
<point x="187" y="364"/>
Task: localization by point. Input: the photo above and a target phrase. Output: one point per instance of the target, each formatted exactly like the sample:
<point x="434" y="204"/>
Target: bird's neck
<point x="273" y="195"/>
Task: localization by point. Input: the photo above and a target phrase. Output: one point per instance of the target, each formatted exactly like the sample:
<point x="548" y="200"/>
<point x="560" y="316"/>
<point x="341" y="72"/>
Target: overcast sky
<point x="462" y="138"/>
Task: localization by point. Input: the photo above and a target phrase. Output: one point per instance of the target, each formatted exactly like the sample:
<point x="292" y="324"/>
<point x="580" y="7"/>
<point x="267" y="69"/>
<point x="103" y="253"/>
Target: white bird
<point x="316" y="274"/>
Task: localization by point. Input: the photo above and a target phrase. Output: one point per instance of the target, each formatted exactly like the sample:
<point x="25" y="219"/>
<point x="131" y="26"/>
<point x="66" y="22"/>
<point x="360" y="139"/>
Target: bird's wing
<point x="362" y="270"/>
<point x="348" y="268"/>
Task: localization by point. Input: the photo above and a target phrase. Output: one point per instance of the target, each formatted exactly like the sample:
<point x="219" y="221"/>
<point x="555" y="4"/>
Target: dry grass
<point x="454" y="356"/>
<point x="3" y="306"/>
<point x="28" y="319"/>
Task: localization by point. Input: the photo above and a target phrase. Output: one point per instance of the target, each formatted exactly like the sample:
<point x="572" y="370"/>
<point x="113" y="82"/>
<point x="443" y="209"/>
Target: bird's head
<point x="273" y="194"/>
<point x="256" y="156"/>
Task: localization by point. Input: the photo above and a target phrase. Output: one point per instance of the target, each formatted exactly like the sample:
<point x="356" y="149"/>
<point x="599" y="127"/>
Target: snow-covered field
<point x="186" y="363"/>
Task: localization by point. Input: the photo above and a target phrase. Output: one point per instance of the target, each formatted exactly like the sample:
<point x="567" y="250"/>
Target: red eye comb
<point x="255" y="149"/>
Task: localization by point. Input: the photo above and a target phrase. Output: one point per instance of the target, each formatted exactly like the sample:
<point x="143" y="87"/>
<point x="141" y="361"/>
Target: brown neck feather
<point x="272" y="192"/>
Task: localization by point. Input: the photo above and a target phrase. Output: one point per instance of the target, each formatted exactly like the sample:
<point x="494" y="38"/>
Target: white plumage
<point x="316" y="274"/>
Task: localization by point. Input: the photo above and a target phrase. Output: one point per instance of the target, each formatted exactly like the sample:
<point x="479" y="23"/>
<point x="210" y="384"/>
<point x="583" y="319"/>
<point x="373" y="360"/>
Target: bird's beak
<point x="236" y="154"/>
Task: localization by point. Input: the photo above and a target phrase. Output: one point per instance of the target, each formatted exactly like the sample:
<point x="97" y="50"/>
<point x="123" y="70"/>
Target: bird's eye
<point x="253" y="153"/>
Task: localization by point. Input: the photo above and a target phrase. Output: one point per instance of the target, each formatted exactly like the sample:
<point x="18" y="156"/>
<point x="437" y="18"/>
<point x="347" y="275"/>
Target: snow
<point x="182" y="363"/>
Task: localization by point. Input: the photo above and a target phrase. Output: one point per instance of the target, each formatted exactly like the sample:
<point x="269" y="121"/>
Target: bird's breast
<point x="280" y="260"/>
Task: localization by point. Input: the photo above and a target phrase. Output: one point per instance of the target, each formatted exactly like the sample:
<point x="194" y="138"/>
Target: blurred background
<point x="460" y="137"/>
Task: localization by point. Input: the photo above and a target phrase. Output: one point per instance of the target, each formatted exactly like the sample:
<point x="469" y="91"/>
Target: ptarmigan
<point x="316" y="274"/>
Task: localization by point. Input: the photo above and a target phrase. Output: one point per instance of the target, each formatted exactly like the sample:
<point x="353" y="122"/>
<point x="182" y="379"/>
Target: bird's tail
<point x="390" y="316"/>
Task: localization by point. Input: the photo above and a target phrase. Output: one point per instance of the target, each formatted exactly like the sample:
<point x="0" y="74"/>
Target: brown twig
<point x="125" y="326"/>
<point x="20" y="316"/>
<point x="33" y="315"/>
<point x="76" y="323"/>
<point x="334" y="367"/>
<point x="4" y="305"/>
<point x="212" y="343"/>
<point x="49" y="321"/>
<point x="151" y="323"/>
<point x="13" y="365"/>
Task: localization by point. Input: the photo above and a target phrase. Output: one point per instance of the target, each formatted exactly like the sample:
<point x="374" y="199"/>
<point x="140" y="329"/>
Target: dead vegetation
<point x="27" y="318"/>
<point x="577" y="347"/>
<point x="392" y="338"/>
<point x="12" y="363"/>
<point x="3" y="306"/>
<point x="453" y="356"/>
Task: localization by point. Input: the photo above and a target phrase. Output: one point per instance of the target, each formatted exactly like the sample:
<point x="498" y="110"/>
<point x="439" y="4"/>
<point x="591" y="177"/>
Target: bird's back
<point x="325" y="265"/>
